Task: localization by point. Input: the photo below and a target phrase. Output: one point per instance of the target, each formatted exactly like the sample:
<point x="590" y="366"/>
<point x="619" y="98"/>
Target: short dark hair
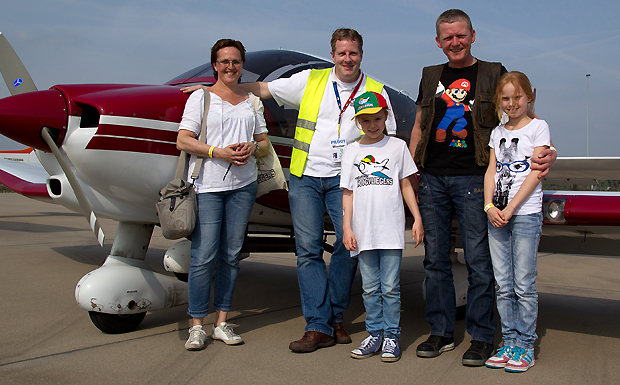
<point x="346" y="34"/>
<point x="453" y="15"/>
<point x="223" y="43"/>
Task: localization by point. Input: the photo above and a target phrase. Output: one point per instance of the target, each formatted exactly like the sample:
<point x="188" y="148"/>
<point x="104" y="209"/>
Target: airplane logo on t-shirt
<point x="370" y="167"/>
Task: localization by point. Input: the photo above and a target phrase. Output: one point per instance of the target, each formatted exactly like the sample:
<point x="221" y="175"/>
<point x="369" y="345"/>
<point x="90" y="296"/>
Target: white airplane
<point x="105" y="150"/>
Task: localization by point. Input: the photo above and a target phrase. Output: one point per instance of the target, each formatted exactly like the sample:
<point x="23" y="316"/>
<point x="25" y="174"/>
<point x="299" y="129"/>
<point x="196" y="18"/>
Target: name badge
<point x="337" y="148"/>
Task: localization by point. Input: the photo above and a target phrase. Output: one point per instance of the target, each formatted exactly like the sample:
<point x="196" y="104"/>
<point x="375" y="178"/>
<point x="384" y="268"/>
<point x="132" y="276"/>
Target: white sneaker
<point x="197" y="337"/>
<point x="224" y="332"/>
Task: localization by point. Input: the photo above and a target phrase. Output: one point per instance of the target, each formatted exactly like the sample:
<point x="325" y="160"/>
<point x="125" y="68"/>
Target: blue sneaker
<point x="370" y="346"/>
<point x="522" y="359"/>
<point x="499" y="360"/>
<point x="391" y="348"/>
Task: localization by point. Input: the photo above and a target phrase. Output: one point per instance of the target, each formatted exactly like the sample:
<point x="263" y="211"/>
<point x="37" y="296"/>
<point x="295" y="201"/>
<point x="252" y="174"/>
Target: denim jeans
<point x="380" y="270"/>
<point x="514" y="251"/>
<point x="217" y="240"/>
<point x="324" y="296"/>
<point x="440" y="198"/>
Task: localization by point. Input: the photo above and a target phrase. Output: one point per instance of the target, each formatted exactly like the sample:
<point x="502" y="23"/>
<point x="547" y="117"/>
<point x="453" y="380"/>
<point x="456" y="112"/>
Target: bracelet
<point x="488" y="207"/>
<point x="553" y="149"/>
<point x="211" y="151"/>
<point x="257" y="146"/>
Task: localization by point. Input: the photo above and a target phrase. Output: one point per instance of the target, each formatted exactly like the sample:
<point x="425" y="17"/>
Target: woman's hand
<point x="234" y="153"/>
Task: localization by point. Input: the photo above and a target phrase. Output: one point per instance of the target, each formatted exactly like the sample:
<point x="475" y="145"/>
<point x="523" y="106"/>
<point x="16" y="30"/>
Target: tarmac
<point x="46" y="339"/>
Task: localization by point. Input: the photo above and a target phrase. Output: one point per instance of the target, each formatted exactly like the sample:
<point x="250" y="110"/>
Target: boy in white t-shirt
<point x="375" y="179"/>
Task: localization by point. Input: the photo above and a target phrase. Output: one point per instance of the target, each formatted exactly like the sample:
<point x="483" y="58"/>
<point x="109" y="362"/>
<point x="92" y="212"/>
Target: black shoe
<point x="477" y="354"/>
<point x="434" y="346"/>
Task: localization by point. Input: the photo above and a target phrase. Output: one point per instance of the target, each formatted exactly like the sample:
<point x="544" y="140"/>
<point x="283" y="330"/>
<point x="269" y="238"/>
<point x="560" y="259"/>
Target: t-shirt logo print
<point x="372" y="172"/>
<point x="454" y="97"/>
<point x="370" y="167"/>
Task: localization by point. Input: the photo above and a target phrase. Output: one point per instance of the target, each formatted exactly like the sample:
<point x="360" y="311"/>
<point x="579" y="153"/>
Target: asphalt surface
<point x="46" y="339"/>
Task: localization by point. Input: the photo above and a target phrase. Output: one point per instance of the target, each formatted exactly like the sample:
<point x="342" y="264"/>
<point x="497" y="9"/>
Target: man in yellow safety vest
<point x="324" y="126"/>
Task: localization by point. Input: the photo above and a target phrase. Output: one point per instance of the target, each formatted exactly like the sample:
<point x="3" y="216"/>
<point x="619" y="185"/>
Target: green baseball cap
<point x="369" y="103"/>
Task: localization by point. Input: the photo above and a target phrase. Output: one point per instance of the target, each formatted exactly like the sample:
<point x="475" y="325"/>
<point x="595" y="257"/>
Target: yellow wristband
<point x="487" y="207"/>
<point x="553" y="149"/>
<point x="211" y="151"/>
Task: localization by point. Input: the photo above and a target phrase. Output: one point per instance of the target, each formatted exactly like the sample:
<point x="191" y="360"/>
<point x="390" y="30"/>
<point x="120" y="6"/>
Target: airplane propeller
<point x="18" y="81"/>
<point x="14" y="72"/>
<point x="75" y="185"/>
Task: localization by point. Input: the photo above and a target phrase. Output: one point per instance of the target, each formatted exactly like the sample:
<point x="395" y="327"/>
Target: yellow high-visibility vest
<point x="308" y="113"/>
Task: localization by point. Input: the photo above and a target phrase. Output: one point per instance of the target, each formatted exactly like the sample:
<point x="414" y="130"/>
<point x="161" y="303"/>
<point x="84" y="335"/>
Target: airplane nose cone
<point x="23" y="116"/>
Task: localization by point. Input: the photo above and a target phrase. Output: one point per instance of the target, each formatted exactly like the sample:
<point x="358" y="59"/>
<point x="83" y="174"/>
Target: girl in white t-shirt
<point x="375" y="179"/>
<point x="513" y="203"/>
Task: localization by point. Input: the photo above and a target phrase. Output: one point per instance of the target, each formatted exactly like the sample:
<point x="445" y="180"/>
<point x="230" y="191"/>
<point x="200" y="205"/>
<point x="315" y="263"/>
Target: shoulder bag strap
<point x="180" y="172"/>
<point x="203" y="133"/>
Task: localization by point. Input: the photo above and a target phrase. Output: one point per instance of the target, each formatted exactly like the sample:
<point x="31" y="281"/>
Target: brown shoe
<point x="312" y="341"/>
<point x="342" y="337"/>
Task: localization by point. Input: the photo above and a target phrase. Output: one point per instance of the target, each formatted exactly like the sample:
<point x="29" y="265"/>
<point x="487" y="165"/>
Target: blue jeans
<point x="440" y="198"/>
<point x="217" y="239"/>
<point x="514" y="251"/>
<point x="324" y="296"/>
<point x="380" y="270"/>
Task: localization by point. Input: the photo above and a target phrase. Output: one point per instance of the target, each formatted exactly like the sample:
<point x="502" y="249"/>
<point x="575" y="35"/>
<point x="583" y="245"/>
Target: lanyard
<point x="357" y="87"/>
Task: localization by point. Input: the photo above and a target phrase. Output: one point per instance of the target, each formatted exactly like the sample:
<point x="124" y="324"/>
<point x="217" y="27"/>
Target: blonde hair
<point x="518" y="80"/>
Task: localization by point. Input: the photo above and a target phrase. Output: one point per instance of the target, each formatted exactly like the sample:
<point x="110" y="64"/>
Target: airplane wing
<point x="27" y="179"/>
<point x="581" y="170"/>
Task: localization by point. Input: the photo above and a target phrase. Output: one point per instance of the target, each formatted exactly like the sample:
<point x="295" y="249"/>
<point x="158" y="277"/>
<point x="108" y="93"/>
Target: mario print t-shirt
<point x="451" y="145"/>
<point x="373" y="172"/>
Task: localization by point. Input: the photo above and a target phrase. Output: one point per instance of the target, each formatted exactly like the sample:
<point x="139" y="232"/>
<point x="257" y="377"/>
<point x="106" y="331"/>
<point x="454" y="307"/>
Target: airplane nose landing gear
<point x="119" y="293"/>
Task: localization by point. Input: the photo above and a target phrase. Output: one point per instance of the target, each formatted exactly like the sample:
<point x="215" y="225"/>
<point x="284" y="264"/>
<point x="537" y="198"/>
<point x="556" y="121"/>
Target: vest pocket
<point x="425" y="105"/>
<point x="487" y="116"/>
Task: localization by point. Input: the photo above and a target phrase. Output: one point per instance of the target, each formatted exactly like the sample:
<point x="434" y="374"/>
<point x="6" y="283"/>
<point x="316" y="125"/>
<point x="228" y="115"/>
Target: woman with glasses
<point x="225" y="189"/>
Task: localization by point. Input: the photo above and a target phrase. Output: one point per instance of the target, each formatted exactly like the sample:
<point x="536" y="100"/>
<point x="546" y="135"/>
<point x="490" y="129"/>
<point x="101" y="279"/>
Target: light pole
<point x="588" y="115"/>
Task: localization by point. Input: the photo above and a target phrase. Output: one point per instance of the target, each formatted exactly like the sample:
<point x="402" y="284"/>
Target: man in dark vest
<point x="449" y="142"/>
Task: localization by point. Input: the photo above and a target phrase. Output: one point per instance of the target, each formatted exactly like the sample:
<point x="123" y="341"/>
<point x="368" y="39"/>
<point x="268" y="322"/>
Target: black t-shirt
<point x="451" y="149"/>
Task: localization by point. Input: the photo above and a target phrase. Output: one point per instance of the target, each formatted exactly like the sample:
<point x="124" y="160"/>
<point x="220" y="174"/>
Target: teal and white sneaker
<point x="499" y="360"/>
<point x="391" y="348"/>
<point x="370" y="346"/>
<point x="522" y="359"/>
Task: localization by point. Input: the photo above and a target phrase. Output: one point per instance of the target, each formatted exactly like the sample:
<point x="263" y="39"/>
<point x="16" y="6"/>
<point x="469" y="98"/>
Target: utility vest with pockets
<point x="308" y="113"/>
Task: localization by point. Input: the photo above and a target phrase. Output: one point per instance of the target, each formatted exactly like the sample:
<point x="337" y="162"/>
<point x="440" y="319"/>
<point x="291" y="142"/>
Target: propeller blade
<point x="77" y="189"/>
<point x="14" y="72"/>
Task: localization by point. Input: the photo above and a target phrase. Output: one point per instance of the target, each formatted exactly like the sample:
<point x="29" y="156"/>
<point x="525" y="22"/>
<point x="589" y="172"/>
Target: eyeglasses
<point x="226" y="62"/>
<point x="516" y="166"/>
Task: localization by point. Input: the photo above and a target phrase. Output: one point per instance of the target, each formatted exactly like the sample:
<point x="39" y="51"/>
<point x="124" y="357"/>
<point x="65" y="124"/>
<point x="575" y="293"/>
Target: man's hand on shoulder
<point x="544" y="161"/>
<point x="190" y="89"/>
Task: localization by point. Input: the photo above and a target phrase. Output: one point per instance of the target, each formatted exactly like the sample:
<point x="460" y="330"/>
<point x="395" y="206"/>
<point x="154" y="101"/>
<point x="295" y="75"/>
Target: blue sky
<point x="151" y="41"/>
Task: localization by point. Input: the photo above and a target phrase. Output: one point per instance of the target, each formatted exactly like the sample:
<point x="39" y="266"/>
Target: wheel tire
<point x="461" y="311"/>
<point x="183" y="277"/>
<point x="116" y="323"/>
